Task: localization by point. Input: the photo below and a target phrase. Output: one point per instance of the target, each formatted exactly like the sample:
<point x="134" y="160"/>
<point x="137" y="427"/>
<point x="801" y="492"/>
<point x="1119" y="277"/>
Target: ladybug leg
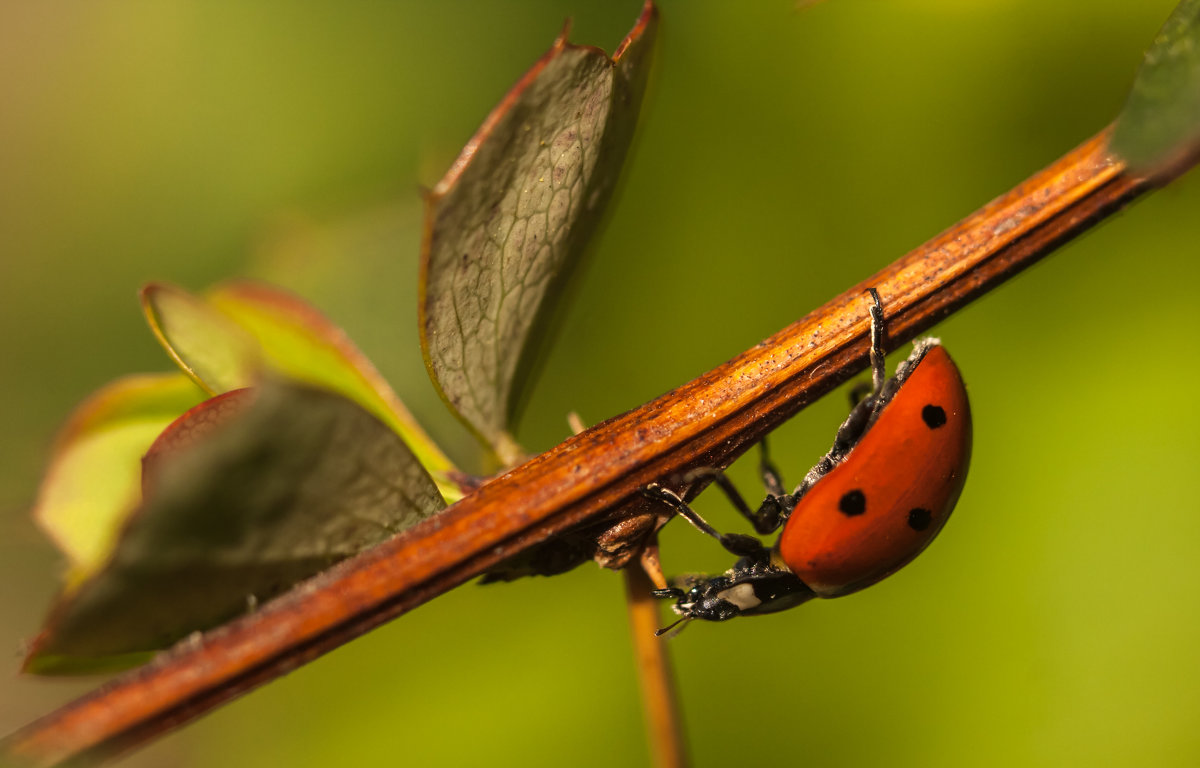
<point x="864" y="406"/>
<point x="726" y="485"/>
<point x="766" y="519"/>
<point x="847" y="436"/>
<point x="859" y="392"/>
<point x="878" y="329"/>
<point x="735" y="543"/>
<point x="771" y="478"/>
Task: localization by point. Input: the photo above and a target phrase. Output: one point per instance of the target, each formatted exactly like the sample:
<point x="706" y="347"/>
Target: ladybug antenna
<point x="670" y="630"/>
<point x="878" y="372"/>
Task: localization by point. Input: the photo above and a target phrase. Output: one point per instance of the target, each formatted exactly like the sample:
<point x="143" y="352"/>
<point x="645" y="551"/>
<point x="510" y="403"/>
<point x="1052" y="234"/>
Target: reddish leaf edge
<point x="94" y="413"/>
<point x="561" y="44"/>
<point x="594" y="474"/>
<point x="199" y="419"/>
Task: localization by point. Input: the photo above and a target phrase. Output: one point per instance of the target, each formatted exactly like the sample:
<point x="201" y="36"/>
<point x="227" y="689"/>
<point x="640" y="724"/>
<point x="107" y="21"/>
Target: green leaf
<point x="300" y="342"/>
<point x="507" y="223"/>
<point x="226" y="340"/>
<point x="215" y="352"/>
<point x="1160" y="123"/>
<point x="279" y="488"/>
<point x="93" y="481"/>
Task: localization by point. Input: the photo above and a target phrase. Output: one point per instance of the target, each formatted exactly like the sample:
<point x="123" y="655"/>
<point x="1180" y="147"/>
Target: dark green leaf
<point x="299" y="341"/>
<point x="1160" y="123"/>
<point x="512" y="217"/>
<point x="282" y="487"/>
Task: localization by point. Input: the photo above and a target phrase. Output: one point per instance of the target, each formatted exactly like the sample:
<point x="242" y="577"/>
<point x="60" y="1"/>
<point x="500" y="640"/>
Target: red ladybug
<point x="881" y="494"/>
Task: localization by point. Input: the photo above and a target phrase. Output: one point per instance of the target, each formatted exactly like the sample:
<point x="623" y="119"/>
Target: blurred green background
<point x="786" y="154"/>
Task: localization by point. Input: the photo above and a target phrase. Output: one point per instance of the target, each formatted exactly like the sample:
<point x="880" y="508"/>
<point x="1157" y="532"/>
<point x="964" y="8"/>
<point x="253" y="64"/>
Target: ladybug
<point x="869" y="506"/>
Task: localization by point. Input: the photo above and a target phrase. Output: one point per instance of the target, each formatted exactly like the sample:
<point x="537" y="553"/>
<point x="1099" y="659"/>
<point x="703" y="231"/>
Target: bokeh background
<point x="787" y="152"/>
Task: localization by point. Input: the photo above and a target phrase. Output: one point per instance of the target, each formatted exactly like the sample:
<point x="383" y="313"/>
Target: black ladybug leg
<point x="878" y="371"/>
<point x="766" y="519"/>
<point x="727" y="487"/>
<point x="859" y="392"/>
<point x="770" y="474"/>
<point x="736" y="543"/>
<point x="670" y="593"/>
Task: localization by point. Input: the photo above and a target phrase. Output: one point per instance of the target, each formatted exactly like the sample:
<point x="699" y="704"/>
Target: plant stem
<point x="706" y="422"/>
<point x="659" y="700"/>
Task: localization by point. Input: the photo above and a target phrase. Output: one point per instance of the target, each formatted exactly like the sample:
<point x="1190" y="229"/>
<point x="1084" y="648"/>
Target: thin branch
<point x="707" y="422"/>
<point x="663" y="721"/>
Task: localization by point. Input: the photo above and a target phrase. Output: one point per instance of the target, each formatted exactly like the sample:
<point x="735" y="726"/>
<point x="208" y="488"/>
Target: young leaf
<point x="93" y="482"/>
<point x="512" y="216"/>
<point x="225" y="340"/>
<point x="280" y="487"/>
<point x="299" y="341"/>
<point x="215" y="352"/>
<point x="1160" y="123"/>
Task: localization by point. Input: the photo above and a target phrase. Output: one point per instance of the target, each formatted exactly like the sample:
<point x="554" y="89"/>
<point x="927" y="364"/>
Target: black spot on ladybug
<point x="853" y="503"/>
<point x="919" y="519"/>
<point x="934" y="416"/>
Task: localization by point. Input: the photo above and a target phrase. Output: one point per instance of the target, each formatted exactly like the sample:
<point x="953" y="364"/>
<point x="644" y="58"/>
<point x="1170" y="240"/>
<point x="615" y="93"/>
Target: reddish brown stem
<point x="663" y="722"/>
<point x="708" y="421"/>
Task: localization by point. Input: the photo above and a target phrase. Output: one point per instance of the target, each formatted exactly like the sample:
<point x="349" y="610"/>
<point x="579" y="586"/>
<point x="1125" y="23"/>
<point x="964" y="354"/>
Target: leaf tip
<point x="562" y="41"/>
<point x="152" y="295"/>
<point x="148" y="297"/>
<point x="645" y="21"/>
